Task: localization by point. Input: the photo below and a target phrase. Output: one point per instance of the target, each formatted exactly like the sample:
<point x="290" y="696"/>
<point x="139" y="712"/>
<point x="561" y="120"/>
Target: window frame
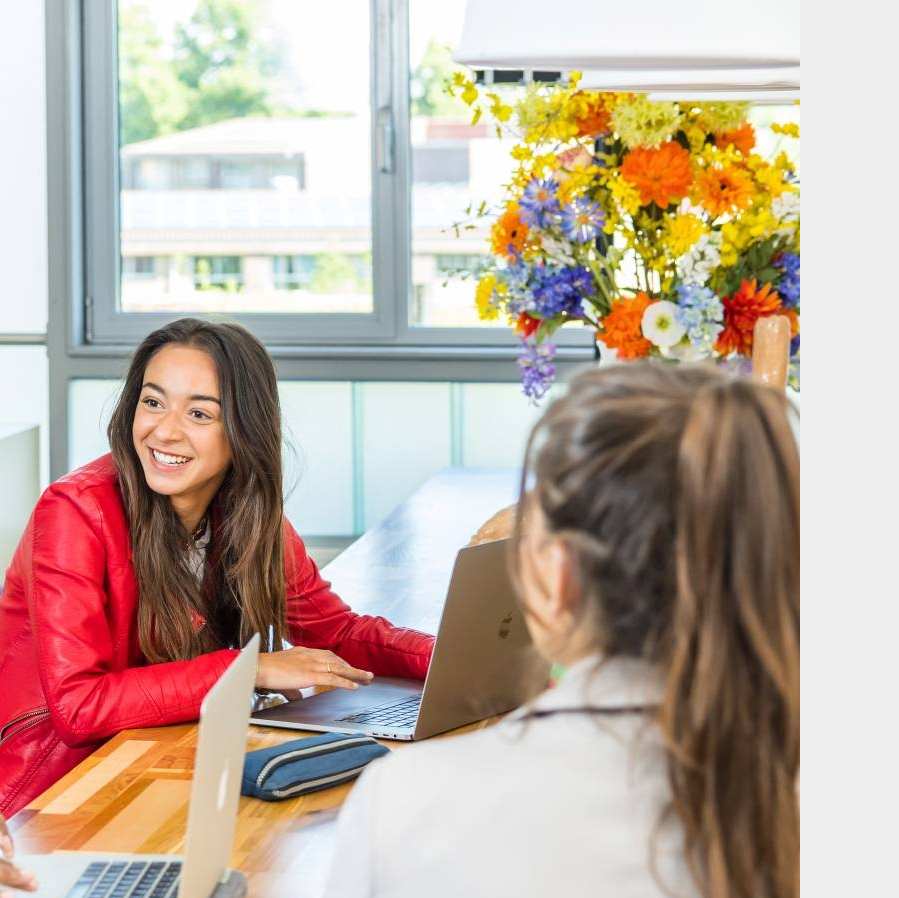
<point x="391" y="201"/>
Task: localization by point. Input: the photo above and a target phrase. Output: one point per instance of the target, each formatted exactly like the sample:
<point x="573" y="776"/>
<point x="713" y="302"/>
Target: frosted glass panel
<point x="318" y="423"/>
<point x="26" y="400"/>
<point x="405" y="439"/>
<point x="91" y="403"/>
<point x="496" y="423"/>
<point x="360" y="451"/>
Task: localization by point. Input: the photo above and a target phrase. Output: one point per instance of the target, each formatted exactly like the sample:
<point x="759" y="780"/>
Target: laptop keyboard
<point x="128" y="879"/>
<point x="400" y="714"/>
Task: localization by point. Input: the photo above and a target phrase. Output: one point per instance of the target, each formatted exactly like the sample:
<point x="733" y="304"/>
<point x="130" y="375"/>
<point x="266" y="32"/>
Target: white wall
<point x="23" y="221"/>
<point x="23" y="163"/>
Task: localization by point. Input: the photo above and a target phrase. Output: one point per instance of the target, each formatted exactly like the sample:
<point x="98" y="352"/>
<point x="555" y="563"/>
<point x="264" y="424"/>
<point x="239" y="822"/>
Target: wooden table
<point x="131" y="795"/>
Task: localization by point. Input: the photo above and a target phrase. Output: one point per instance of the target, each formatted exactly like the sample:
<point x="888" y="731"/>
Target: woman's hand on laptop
<point x="298" y="668"/>
<point x="10" y="875"/>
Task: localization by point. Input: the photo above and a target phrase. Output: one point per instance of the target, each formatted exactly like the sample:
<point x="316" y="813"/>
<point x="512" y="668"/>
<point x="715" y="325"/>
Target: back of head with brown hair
<point x="677" y="490"/>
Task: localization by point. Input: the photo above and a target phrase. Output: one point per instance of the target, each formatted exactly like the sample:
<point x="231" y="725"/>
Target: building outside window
<point x="138" y="267"/>
<point x="218" y="273"/>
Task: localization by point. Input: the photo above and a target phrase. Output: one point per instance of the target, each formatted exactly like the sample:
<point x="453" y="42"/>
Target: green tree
<point x="338" y="273"/>
<point x="223" y="59"/>
<point x="428" y="83"/>
<point x="222" y="65"/>
<point x="152" y="101"/>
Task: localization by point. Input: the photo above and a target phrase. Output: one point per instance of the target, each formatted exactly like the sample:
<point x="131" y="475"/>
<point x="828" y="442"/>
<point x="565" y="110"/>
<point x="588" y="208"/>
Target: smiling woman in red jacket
<point x="140" y="574"/>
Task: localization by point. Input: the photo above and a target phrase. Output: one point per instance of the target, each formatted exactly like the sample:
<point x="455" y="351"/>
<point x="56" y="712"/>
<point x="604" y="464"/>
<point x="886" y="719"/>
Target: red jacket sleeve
<point x="88" y="698"/>
<point x="318" y="618"/>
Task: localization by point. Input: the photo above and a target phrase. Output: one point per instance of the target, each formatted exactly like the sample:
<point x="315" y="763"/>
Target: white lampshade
<point x="756" y="97"/>
<point x="686" y="82"/>
<point x="650" y="36"/>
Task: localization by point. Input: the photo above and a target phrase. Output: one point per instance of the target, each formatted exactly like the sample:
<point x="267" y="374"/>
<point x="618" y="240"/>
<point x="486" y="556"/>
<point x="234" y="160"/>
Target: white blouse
<point x="564" y="804"/>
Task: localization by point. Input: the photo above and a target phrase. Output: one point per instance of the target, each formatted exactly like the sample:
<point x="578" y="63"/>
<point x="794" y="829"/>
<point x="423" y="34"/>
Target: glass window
<point x="138" y="267"/>
<point x="454" y="164"/>
<point x="293" y="272"/>
<point x="240" y="144"/>
<point x="218" y="273"/>
<point x="194" y="173"/>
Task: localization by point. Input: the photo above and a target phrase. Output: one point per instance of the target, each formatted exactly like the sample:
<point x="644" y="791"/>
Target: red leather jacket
<point x="71" y="670"/>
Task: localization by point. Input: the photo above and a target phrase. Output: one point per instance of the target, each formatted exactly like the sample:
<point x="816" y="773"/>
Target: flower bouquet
<point x="657" y="224"/>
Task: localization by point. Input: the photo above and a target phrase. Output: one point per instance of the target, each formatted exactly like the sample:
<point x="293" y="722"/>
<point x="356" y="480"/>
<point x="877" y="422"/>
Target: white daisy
<point x="660" y="324"/>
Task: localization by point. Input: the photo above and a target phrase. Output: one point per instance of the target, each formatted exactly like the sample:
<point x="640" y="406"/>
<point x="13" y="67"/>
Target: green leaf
<point x="548" y="326"/>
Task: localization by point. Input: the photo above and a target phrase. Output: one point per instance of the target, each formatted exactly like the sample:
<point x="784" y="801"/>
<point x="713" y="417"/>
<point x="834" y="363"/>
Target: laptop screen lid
<point x="484" y="662"/>
<point x="218" y="768"/>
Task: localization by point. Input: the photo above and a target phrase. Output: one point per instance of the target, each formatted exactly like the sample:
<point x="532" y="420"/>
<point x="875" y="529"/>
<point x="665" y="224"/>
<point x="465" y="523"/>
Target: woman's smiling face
<point x="178" y="431"/>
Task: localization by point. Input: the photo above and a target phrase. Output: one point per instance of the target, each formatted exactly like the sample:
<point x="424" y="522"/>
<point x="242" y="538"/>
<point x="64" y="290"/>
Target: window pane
<point x="454" y="164"/>
<point x="245" y="156"/>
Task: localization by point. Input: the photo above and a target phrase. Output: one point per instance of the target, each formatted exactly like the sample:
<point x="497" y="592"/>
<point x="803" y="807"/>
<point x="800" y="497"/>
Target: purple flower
<point x="537" y="368"/>
<point x="560" y="290"/>
<point x="582" y="220"/>
<point x="788" y="285"/>
<point x="539" y="203"/>
<point x="582" y="281"/>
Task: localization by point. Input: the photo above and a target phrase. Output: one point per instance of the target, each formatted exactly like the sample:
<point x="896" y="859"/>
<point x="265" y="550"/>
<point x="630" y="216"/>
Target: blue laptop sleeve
<point x="307" y="765"/>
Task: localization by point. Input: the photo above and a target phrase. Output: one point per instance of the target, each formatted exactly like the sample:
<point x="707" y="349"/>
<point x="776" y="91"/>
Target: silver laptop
<point x="484" y="664"/>
<point x="203" y="872"/>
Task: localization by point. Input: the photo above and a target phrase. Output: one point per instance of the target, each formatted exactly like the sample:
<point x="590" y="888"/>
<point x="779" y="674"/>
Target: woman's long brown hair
<point x="676" y="489"/>
<point x="244" y="583"/>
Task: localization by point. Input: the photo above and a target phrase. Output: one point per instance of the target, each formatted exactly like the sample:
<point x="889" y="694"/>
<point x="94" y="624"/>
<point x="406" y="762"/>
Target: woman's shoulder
<point x="90" y="486"/>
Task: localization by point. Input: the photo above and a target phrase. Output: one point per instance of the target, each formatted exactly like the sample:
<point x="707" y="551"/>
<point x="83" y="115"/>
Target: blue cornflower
<point x="582" y="281"/>
<point x="700" y="311"/>
<point x="537" y="368"/>
<point x="539" y="203"/>
<point x="582" y="220"/>
<point x="788" y="285"/>
<point x="794" y="346"/>
<point x="560" y="290"/>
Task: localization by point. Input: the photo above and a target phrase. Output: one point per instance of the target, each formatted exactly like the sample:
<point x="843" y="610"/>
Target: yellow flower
<point x="791" y="129"/>
<point x="681" y="232"/>
<point x="521" y="153"/>
<point x="483" y="297"/>
<point x="717" y="116"/>
<point x="624" y="193"/>
<point x="753" y="225"/>
<point x="499" y="110"/>
<point x="543" y="116"/>
<point x="545" y="164"/>
<point x="641" y="122"/>
<point x="695" y="135"/>
<point x="771" y="177"/>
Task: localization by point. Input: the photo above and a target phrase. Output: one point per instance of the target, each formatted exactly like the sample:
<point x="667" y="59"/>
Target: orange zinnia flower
<point x="509" y="233"/>
<point x="622" y="328"/>
<point x="722" y="190"/>
<point x="741" y="311"/>
<point x="594" y="121"/>
<point x="743" y="138"/>
<point x="662" y="175"/>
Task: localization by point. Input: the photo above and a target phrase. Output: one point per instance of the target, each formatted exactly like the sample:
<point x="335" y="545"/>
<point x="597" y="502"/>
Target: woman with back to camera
<point x="659" y="563"/>
<point x="141" y="574"/>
